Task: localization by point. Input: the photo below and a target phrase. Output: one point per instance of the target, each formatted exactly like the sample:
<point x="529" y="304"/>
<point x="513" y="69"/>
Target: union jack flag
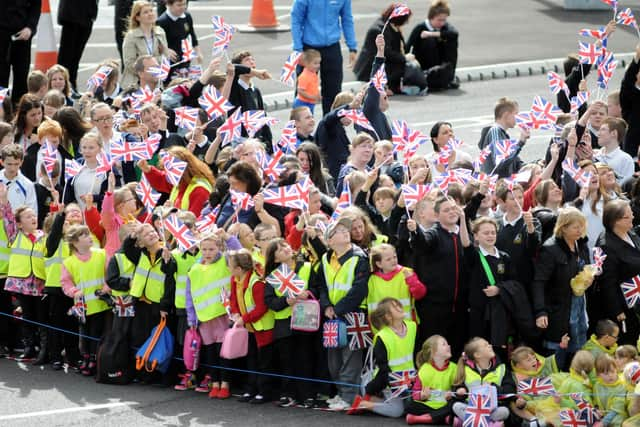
<point x="151" y="144"/>
<point x="578" y="100"/>
<point x="460" y="176"/>
<point x="97" y="79"/>
<point x="214" y="103"/>
<point x="186" y="117"/>
<point x="478" y="411"/>
<point x="401" y="381"/>
<point x="143" y="96"/>
<point x="400" y="10"/>
<point x="613" y="3"/>
<point x="631" y="290"/>
<point x="195" y="71"/>
<point x="625" y="17"/>
<point x="288" y="196"/>
<point x="161" y="72"/>
<point x="482" y="157"/>
<point x="514" y="179"/>
<point x="207" y="223"/>
<point x="127" y="151"/>
<point x="399" y="132"/>
<point x="413" y="193"/>
<point x="598" y="259"/>
<point x="379" y="79"/>
<point x="580" y="402"/>
<point x="188" y="52"/>
<point x="571" y="418"/>
<point x="588" y="53"/>
<point x="147" y="194"/>
<point x="289" y="137"/>
<point x="180" y="232"/>
<point x="343" y="202"/>
<point x="598" y="34"/>
<point x="357" y="117"/>
<point x="271" y="167"/>
<point x="232" y="128"/>
<point x="72" y="168"/>
<point x="123" y="306"/>
<point x="174" y="169"/>
<point x="104" y="163"/>
<point x="251" y="121"/>
<point x="288" y="73"/>
<point x="79" y="309"/>
<point x="545" y="109"/>
<point x="557" y="84"/>
<point x="504" y="149"/>
<point x="359" y="331"/>
<point x="330" y="331"/>
<point x="49" y="156"/>
<point x="3" y="94"/>
<point x="260" y="123"/>
<point x="223" y="33"/>
<point x="241" y="200"/>
<point x="536" y="387"/>
<point x="605" y="71"/>
<point x="226" y="300"/>
<point x="286" y="282"/>
<point x="579" y="175"/>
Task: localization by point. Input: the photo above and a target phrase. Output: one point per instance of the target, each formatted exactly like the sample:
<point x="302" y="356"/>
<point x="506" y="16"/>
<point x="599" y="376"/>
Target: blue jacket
<point x="319" y="23"/>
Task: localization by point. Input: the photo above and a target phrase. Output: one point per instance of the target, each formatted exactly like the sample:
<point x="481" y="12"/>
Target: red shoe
<point x="224" y="393"/>
<point x="214" y="393"/>
<point x="355" y="406"/>
<point x="419" y="419"/>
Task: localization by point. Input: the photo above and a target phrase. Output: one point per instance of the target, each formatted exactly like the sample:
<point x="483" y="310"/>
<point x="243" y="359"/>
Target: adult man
<point x="305" y="123"/>
<point x="155" y="119"/>
<point x="317" y="24"/>
<point x="141" y="66"/>
<point x="342" y="286"/>
<point x="505" y="113"/>
<point x="610" y="136"/>
<point x="17" y="26"/>
<point x="76" y="18"/>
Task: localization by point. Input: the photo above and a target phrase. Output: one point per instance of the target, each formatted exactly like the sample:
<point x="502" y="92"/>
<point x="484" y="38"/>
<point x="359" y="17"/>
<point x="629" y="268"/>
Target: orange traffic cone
<point x="46" y="52"/>
<point x="262" y="18"/>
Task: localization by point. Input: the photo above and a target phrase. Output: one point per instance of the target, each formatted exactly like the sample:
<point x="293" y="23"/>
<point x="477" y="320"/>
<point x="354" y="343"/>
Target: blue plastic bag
<point x="155" y="354"/>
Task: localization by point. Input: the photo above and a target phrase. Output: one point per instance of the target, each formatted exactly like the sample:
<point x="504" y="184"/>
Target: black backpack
<point x="115" y="357"/>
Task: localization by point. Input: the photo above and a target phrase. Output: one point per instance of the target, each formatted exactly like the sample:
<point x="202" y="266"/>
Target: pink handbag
<point x="235" y="343"/>
<point x="191" y="349"/>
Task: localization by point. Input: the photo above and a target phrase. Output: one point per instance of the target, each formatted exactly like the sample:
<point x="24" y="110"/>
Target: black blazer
<point x="622" y="263"/>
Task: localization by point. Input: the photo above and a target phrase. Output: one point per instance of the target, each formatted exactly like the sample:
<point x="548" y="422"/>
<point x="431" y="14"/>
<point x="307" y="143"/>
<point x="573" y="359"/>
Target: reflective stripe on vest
<point x="472" y="378"/>
<point x="27" y="258"/>
<point x="184" y="262"/>
<point x="399" y="349"/>
<point x="184" y="202"/>
<point x="53" y="265"/>
<point x="126" y="268"/>
<point x="5" y="250"/>
<point x="304" y="272"/>
<point x="267" y="321"/>
<point x="397" y="288"/>
<point x="88" y="276"/>
<point x="440" y="382"/>
<point x="148" y="279"/>
<point x="339" y="282"/>
<point x="207" y="282"/>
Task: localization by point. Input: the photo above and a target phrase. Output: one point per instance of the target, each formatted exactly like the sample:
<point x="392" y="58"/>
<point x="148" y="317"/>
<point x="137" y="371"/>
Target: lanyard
<point x="487" y="269"/>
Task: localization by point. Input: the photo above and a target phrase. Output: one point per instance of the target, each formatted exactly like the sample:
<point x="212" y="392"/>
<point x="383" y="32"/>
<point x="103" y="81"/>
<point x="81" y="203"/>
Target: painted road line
<point x="65" y="410"/>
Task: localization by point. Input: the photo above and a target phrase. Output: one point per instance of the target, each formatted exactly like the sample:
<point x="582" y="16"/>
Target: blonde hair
<point x="57" y="68"/>
<point x="136" y="9"/>
<point x="582" y="363"/>
<point x="605" y="363"/>
<point x="425" y="355"/>
<point x="470" y="348"/>
<point x="342" y="98"/>
<point x="566" y="217"/>
<point x="379" y="316"/>
<point x="92" y="137"/>
<point x="521" y="353"/>
<point x="376" y="254"/>
<point x="475" y="225"/>
<point x="74" y="232"/>
<point x="627" y="352"/>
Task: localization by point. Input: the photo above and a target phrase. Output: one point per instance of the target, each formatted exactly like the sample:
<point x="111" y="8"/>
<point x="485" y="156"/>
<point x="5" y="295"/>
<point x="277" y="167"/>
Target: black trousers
<point x="73" y="39"/>
<point x="59" y="304"/>
<point x="93" y="330"/>
<point x="34" y="309"/>
<point x="442" y="319"/>
<point x="295" y="357"/>
<point x="120" y="24"/>
<point x="438" y="415"/>
<point x="7" y="333"/>
<point x="330" y="74"/>
<point x="211" y="356"/>
<point x="15" y="56"/>
<point x="259" y="360"/>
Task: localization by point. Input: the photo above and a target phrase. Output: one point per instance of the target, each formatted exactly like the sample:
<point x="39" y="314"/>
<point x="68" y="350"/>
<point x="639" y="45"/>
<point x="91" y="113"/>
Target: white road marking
<point x="65" y="410"/>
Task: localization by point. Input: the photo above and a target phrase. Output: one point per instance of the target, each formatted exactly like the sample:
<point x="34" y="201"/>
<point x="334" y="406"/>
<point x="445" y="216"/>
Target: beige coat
<point x="135" y="46"/>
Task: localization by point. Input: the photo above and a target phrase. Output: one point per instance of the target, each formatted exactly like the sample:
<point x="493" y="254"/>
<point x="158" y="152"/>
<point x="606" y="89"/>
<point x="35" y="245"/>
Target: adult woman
<point x="143" y="37"/>
<point x="310" y="159"/>
<point x="419" y="170"/>
<point x="243" y="178"/>
<point x="548" y="200"/>
<point x="196" y="183"/>
<point x="361" y="149"/>
<point x="622" y="247"/>
<point x="28" y="117"/>
<point x="73" y="129"/>
<point x="441" y="134"/>
<point x="363" y="232"/>
<point x="557" y="309"/>
<point x="608" y="180"/>
<point x="434" y="42"/>
<point x="58" y="77"/>
<point x="401" y="67"/>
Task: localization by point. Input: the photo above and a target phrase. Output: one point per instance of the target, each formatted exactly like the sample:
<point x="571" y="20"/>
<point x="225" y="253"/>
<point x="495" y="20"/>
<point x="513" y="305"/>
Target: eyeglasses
<point x="615" y="337"/>
<point x="265" y="239"/>
<point x="103" y="119"/>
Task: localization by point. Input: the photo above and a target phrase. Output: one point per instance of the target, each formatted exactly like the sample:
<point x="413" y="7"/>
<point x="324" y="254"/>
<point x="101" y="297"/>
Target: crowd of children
<point x="358" y="267"/>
